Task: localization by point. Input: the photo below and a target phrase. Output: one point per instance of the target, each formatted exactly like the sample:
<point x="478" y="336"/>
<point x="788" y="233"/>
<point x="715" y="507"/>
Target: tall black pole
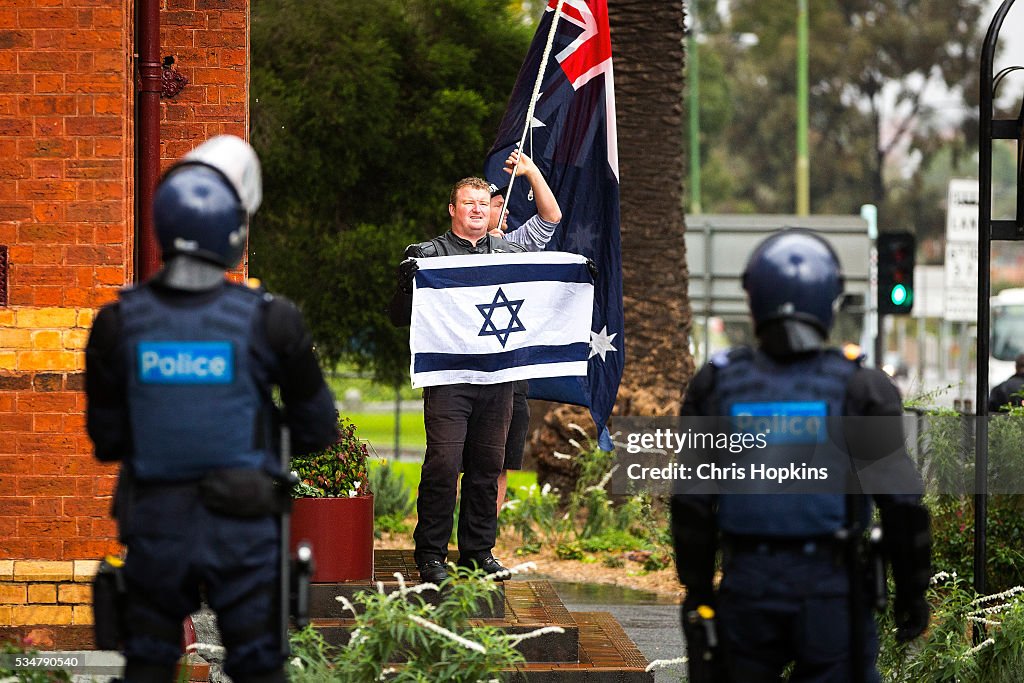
<point x="986" y="230"/>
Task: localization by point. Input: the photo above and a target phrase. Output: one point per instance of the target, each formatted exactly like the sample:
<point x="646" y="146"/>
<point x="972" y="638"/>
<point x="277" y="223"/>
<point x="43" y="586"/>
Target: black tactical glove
<point x="907" y="541"/>
<point x="592" y="267"/>
<point x="406" y="274"/>
<point x="911" y="617"/>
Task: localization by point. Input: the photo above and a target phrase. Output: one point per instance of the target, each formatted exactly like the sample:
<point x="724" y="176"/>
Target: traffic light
<point x="895" y="273"/>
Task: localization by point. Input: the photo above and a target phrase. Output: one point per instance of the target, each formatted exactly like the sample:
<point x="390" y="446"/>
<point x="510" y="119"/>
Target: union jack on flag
<point x="572" y="139"/>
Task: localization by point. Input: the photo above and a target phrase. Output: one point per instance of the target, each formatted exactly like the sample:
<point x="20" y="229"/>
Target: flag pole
<point x="529" y="110"/>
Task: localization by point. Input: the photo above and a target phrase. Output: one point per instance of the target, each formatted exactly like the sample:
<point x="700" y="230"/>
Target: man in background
<point x="533" y="235"/>
<point x="1007" y="394"/>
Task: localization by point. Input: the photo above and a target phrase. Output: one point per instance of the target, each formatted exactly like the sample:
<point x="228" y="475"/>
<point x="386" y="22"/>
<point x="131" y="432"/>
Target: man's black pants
<point x="466" y="428"/>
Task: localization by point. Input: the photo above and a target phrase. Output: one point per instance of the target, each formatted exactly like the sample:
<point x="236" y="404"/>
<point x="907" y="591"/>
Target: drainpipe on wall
<point x="147" y="130"/>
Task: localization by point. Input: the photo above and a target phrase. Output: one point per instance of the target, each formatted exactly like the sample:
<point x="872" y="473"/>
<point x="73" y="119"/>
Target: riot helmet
<point x="203" y="204"/>
<point x="793" y="281"/>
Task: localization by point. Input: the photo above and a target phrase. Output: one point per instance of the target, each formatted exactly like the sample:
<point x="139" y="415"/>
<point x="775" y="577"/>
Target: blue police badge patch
<point x="186" y="362"/>
<point x="783" y="422"/>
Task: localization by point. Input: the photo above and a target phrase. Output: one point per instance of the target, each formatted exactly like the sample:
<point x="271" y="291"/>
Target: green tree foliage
<point x="872" y="126"/>
<point x="364" y="114"/>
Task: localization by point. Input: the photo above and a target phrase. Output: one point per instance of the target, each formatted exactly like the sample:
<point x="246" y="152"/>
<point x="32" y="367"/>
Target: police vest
<point x="197" y="384"/>
<point x="750" y="382"/>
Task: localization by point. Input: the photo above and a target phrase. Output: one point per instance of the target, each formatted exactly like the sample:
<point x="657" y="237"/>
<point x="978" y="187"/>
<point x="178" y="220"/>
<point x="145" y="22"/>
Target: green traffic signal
<point x="895" y="273"/>
<point x="899" y="295"/>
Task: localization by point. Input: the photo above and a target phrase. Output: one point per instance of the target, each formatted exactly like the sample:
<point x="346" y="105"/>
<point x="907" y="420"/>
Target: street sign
<point x="962" y="210"/>
<point x="961" y="282"/>
<point x="961" y="264"/>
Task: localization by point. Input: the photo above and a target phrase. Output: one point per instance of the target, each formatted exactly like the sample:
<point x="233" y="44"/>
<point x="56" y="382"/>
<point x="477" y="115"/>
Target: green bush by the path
<point x="586" y="521"/>
<point x="948" y="651"/>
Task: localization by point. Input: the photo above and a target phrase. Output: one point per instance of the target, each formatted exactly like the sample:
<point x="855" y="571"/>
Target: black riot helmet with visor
<point x="204" y="202"/>
<point x="794" y="282"/>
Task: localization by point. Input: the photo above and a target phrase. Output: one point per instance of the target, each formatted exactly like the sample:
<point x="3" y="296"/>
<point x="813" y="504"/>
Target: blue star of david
<point x="514" y="324"/>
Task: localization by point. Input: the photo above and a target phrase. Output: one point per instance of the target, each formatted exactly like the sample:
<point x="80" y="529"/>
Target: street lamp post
<point x="803" y="164"/>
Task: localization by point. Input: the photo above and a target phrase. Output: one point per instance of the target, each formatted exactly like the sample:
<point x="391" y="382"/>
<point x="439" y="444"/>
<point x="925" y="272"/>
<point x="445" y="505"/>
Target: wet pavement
<point x="649" y="619"/>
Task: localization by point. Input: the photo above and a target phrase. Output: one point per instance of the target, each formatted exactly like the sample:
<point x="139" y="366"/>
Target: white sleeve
<point x="534" y="234"/>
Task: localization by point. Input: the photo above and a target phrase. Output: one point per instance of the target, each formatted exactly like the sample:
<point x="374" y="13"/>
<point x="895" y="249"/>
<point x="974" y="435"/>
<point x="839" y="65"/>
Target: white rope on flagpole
<point x="529" y="110"/>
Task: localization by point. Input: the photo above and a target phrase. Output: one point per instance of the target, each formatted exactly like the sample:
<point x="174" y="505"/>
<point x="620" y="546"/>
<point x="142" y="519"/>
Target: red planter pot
<point x="341" y="532"/>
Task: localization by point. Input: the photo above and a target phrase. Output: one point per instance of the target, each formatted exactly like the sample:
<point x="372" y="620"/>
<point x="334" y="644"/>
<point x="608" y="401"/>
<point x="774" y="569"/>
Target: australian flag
<point x="572" y="139"/>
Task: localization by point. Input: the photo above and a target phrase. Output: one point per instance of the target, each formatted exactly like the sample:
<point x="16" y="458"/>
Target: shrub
<point x="947" y="651"/>
<point x="953" y="538"/>
<point x="392" y="499"/>
<point x="588" y="520"/>
<point x="439" y="643"/>
<point x="533" y="514"/>
<point x="338" y="471"/>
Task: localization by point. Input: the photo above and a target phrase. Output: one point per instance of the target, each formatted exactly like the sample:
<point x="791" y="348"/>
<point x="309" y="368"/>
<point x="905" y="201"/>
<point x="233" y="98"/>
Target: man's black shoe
<point x="433" y="571"/>
<point x="489" y="565"/>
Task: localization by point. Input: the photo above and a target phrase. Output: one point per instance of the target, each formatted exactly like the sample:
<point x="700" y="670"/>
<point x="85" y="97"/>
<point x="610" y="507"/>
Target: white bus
<point x="1007" y="334"/>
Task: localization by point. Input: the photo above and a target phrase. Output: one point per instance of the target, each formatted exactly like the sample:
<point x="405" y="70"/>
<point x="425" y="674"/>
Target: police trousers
<point x="776" y="607"/>
<point x="176" y="549"/>
<point x="466" y="427"/>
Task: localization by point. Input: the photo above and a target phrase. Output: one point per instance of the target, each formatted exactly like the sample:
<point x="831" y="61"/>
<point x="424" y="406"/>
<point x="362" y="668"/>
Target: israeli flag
<point x="490" y="318"/>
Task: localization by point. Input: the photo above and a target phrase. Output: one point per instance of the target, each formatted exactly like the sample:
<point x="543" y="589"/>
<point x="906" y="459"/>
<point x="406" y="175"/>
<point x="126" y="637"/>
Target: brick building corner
<point x="67" y="243"/>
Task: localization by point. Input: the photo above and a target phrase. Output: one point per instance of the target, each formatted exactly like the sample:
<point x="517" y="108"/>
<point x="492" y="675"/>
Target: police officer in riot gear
<point x="179" y="375"/>
<point x="787" y="580"/>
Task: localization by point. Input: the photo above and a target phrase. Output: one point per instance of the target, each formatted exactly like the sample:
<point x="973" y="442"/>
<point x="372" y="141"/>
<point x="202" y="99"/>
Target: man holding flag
<point x="466" y="424"/>
<point x="562" y="113"/>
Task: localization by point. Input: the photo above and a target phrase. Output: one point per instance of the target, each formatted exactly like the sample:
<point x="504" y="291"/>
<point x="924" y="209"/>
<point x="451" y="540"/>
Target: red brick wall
<point x="65" y="217"/>
<point x="67" y="222"/>
<point x="209" y="40"/>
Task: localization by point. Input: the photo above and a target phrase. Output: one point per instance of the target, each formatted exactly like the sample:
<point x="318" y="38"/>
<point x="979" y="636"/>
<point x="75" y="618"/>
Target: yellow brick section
<point x="49" y="361"/>
<point x="6" y="569"/>
<point x="51" y="615"/>
<point x="44" y="339"/>
<point x="43" y="570"/>
<point x="81" y="614"/>
<point x="38" y="318"/>
<point x="42" y="593"/>
<point x="13" y="593"/>
<point x="75" y="593"/>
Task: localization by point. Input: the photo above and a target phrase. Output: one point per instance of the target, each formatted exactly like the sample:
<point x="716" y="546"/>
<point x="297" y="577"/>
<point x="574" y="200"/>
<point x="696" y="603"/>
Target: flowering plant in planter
<point x="338" y="471"/>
